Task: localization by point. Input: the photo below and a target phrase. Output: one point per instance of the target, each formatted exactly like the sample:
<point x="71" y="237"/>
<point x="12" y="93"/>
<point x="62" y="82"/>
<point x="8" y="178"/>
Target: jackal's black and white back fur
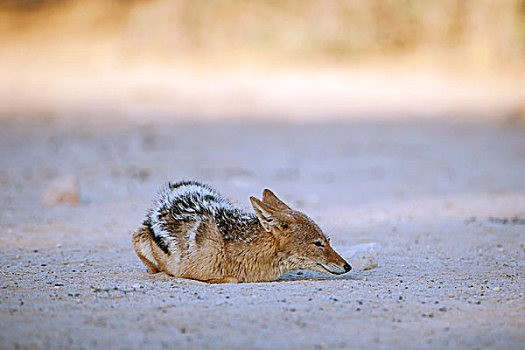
<point x="190" y="203"/>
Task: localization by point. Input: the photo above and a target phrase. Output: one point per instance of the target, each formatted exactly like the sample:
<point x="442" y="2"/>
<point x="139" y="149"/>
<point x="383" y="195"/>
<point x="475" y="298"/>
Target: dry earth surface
<point x="439" y="206"/>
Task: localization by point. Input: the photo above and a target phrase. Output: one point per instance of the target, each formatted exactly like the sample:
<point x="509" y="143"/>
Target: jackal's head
<point x="302" y="244"/>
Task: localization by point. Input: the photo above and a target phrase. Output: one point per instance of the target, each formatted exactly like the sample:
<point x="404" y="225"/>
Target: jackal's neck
<point x="237" y="226"/>
<point x="258" y="258"/>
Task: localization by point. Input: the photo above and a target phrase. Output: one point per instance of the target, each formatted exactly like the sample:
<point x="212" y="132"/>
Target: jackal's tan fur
<point x="194" y="233"/>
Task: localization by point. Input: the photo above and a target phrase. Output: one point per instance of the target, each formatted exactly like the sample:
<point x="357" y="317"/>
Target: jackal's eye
<point x="318" y="243"/>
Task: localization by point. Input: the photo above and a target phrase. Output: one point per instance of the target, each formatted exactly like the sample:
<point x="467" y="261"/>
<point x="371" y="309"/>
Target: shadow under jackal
<point x="192" y="232"/>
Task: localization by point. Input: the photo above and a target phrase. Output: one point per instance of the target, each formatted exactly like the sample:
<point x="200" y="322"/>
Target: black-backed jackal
<point x="192" y="232"/>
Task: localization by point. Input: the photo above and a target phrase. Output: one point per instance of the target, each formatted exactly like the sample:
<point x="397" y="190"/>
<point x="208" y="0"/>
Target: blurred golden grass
<point x="482" y="34"/>
<point x="306" y="59"/>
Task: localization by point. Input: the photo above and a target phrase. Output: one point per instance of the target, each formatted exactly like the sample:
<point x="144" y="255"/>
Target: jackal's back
<point x="186" y="209"/>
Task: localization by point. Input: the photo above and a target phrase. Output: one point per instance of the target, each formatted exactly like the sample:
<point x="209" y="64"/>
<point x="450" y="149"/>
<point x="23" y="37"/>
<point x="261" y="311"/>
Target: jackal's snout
<point x="337" y="269"/>
<point x="335" y="263"/>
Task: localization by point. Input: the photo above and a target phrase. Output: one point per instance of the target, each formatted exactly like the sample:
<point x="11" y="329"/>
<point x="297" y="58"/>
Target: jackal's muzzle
<point x="336" y="269"/>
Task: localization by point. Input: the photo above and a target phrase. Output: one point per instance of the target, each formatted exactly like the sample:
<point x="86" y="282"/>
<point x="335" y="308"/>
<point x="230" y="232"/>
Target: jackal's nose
<point x="347" y="267"/>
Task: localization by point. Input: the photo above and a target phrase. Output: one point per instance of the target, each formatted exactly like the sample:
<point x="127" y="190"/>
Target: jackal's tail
<point x="142" y="243"/>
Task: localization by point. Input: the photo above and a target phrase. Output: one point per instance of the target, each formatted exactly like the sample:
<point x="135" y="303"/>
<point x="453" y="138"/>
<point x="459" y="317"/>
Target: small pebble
<point x="363" y="263"/>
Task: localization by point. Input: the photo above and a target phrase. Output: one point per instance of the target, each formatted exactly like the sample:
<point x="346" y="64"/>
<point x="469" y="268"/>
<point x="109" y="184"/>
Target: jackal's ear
<point x="270" y="198"/>
<point x="268" y="216"/>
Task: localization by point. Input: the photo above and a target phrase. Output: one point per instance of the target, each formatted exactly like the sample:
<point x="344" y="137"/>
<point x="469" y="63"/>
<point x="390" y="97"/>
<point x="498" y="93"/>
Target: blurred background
<point x="230" y="59"/>
<point x="395" y="124"/>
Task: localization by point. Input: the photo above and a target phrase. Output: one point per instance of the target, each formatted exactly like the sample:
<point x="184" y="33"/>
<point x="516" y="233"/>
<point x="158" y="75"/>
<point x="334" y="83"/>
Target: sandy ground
<point x="442" y="203"/>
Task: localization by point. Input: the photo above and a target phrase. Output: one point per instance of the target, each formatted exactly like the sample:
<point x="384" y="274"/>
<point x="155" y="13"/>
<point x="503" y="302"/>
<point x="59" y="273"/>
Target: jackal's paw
<point x="223" y="280"/>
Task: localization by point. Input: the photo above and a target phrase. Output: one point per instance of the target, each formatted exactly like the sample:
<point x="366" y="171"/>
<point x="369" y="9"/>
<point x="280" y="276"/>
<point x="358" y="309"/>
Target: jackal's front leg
<point x="223" y="280"/>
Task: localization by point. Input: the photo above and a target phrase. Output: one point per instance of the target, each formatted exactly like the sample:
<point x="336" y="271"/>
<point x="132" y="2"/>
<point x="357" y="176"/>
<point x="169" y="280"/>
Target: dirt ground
<point x="441" y="204"/>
